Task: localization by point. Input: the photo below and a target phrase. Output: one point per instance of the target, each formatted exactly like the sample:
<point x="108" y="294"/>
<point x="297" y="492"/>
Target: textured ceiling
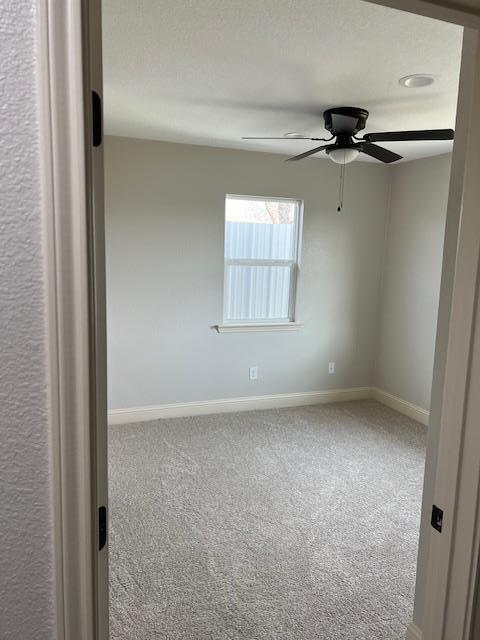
<point x="211" y="71"/>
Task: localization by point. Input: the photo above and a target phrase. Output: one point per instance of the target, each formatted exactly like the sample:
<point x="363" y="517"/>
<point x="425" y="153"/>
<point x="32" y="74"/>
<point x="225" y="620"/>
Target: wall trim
<point x="62" y="75"/>
<point x="273" y="401"/>
<point x="413" y="633"/>
<point x="257" y="326"/>
<point x="228" y="405"/>
<point x="402" y="406"/>
<point x="449" y="11"/>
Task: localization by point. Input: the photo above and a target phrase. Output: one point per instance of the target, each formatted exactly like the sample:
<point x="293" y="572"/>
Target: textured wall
<point x="411" y="278"/>
<point x="26" y="606"/>
<point x="165" y="208"/>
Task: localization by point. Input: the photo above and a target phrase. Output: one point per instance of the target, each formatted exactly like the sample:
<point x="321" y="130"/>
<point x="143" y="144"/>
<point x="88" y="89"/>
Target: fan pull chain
<point x="341" y="188"/>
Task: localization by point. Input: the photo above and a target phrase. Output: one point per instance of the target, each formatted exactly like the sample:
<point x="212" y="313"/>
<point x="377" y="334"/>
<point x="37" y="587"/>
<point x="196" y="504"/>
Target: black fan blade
<point x="379" y="153"/>
<point x="309" y="153"/>
<point x="281" y="138"/>
<point x="406" y="136"/>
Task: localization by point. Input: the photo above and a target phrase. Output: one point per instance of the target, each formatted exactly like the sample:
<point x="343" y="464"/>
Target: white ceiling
<point x="211" y="71"/>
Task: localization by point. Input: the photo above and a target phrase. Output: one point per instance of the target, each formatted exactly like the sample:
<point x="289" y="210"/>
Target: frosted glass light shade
<point x="343" y="156"/>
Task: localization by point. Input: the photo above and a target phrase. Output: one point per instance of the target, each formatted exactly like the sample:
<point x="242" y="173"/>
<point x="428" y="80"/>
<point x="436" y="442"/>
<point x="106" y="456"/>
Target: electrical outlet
<point x="253" y="373"/>
<point x="331" y="368"/>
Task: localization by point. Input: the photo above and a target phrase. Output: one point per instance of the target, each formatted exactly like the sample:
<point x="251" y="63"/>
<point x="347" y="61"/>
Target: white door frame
<point x="68" y="39"/>
<point x="69" y="66"/>
<point x="448" y="585"/>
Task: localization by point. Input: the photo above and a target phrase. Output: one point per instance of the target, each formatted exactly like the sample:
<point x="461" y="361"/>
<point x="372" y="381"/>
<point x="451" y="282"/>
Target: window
<point x="261" y="259"/>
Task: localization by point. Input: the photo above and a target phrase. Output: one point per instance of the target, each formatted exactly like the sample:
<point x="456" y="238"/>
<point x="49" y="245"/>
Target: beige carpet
<point x="290" y="524"/>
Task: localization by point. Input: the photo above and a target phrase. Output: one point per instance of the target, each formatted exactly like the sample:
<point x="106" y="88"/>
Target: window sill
<point x="259" y="326"/>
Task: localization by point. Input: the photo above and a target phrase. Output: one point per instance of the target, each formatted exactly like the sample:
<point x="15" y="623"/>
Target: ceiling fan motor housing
<point x="345" y="122"/>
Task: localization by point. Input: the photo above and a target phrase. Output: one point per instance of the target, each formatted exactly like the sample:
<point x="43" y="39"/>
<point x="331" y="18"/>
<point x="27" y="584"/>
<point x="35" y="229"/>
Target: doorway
<point x="267" y="237"/>
<point x="444" y="538"/>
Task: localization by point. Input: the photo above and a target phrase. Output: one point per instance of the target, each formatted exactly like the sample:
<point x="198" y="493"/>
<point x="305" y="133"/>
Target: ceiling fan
<point x="344" y="123"/>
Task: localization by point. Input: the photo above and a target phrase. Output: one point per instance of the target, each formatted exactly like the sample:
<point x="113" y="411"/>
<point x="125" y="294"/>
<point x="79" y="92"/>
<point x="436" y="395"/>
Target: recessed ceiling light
<point x="416" y="80"/>
<point x="293" y="135"/>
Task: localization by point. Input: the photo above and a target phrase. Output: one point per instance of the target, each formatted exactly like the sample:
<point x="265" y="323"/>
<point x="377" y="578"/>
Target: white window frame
<point x="293" y="264"/>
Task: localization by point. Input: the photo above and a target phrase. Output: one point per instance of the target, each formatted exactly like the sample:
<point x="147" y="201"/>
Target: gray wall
<point x="165" y="225"/>
<point x="26" y="583"/>
<point x="411" y="278"/>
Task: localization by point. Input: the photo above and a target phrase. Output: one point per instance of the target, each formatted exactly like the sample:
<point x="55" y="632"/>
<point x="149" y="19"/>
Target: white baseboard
<point x="228" y="405"/>
<point x="402" y="406"/>
<point x="275" y="401"/>
<point x="413" y="633"/>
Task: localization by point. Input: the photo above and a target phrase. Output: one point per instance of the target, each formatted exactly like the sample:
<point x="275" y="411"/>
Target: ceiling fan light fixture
<point x="416" y="80"/>
<point x="343" y="156"/>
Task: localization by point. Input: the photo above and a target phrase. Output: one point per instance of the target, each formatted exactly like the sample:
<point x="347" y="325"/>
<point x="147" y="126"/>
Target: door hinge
<point x="96" y="119"/>
<point x="102" y="527"/>
<point x="437" y="518"/>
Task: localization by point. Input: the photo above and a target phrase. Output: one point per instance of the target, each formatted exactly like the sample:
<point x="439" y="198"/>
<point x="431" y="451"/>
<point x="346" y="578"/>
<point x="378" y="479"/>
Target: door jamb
<point x="65" y="72"/>
<point x="445" y="10"/>
<point x="64" y="107"/>
<point x="445" y="578"/>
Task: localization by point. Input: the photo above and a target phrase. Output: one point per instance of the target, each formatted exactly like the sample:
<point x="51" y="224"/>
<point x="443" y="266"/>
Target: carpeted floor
<point x="289" y="524"/>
